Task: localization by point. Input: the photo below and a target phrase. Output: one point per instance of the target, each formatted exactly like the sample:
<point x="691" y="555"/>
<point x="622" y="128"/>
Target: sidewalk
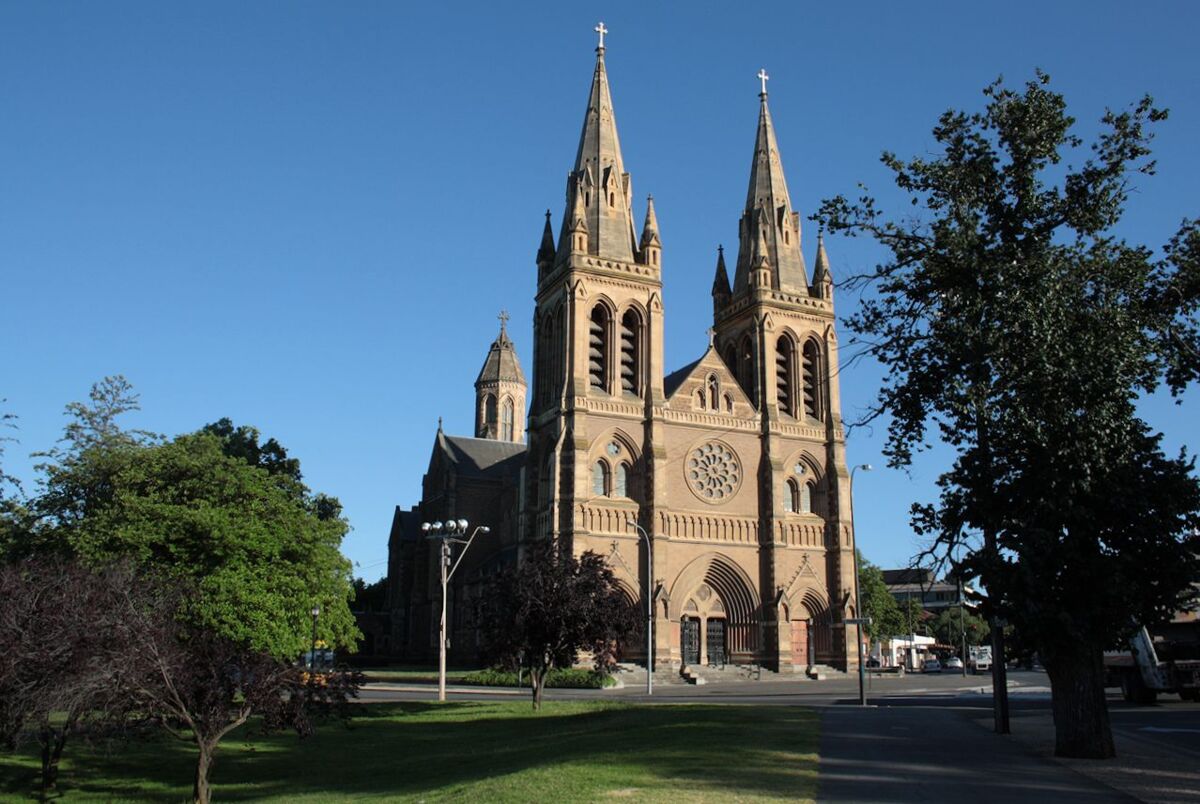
<point x="1141" y="767"/>
<point x="929" y="754"/>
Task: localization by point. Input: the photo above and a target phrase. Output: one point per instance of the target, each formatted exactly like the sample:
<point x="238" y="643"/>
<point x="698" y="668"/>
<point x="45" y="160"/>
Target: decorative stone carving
<point x="713" y="472"/>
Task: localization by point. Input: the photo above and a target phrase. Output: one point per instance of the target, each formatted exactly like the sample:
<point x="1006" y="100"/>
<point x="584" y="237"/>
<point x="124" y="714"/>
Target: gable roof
<point x="672" y="381"/>
<point x="482" y="457"/>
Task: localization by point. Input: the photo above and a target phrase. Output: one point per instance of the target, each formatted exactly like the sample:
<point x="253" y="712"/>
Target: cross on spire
<point x="503" y="319"/>
<point x="763" y="77"/>
<point x="600" y="29"/>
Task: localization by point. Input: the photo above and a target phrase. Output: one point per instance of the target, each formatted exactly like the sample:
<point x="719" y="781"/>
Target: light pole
<point x="312" y="657"/>
<point x="445" y="532"/>
<point x="649" y="606"/>
<point x="860" y="620"/>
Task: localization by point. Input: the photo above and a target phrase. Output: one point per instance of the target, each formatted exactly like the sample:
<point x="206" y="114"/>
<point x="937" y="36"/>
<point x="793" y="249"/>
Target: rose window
<point x="713" y="472"/>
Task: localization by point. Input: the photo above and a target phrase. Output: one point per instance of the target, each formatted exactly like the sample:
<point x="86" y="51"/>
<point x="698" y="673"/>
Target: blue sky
<point x="306" y="216"/>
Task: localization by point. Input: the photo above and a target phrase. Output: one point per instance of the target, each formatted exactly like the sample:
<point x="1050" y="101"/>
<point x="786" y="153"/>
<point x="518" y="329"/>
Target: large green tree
<point x="878" y="603"/>
<point x="950" y="624"/>
<point x="256" y="546"/>
<point x="1014" y="320"/>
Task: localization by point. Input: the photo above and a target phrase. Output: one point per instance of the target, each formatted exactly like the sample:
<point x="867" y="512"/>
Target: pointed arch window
<point x="631" y="343"/>
<point x="731" y="359"/>
<point x="621" y="488"/>
<point x="713" y="393"/>
<point x="812" y="379"/>
<point x="785" y="376"/>
<point x="791" y="496"/>
<point x="598" y="347"/>
<point x="805" y="504"/>
<point x="600" y="479"/>
<point x="506" y="420"/>
<point x="489" y="415"/>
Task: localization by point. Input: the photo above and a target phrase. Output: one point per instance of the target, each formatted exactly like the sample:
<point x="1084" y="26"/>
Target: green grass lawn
<point x="571" y="751"/>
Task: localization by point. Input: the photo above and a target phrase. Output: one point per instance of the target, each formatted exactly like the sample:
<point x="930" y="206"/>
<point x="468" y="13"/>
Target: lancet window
<point x="631" y="342"/>
<point x="598" y="347"/>
<point x="785" y="376"/>
<point x="812" y="379"/>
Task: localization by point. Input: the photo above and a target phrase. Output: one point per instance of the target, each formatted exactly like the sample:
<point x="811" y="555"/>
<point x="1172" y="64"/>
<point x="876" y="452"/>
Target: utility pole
<point x="445" y="533"/>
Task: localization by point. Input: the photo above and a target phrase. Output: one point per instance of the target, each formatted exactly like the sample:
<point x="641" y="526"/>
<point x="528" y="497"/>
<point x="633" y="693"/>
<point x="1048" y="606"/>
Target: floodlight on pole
<point x="445" y="532"/>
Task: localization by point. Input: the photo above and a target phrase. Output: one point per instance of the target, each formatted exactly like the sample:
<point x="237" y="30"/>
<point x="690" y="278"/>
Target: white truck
<point x="1165" y="659"/>
<point x="980" y="658"/>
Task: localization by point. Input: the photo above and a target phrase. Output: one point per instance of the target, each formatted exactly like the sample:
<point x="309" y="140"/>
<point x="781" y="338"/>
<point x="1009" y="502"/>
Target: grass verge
<point x="488" y="751"/>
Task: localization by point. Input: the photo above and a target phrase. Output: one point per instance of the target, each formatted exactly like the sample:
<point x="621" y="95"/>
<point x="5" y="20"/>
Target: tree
<point x="878" y="603"/>
<point x="63" y="654"/>
<point x="202" y="685"/>
<point x="950" y="623"/>
<point x="1011" y="318"/>
<point x="256" y="546"/>
<point x="551" y="606"/>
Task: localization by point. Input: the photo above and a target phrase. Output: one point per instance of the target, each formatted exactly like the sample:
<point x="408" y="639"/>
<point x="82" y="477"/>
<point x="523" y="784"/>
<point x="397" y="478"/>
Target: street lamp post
<point x="649" y="606"/>
<point x="445" y="532"/>
<point x="860" y="619"/>
<point x="312" y="657"/>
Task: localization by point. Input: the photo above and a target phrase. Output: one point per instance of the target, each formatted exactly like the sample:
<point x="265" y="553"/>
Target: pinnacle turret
<point x="650" y="237"/>
<point x="545" y="255"/>
<point x="720" y="286"/>
<point x="768" y="215"/>
<point x="822" y="281"/>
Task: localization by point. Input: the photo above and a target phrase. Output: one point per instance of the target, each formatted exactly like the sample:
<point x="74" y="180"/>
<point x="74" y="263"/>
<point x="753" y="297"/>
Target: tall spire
<point x="545" y="254"/>
<point x="599" y="173"/>
<point x="768" y="213"/>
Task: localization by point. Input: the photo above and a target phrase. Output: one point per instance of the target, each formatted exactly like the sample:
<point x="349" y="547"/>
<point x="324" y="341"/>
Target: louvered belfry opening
<point x="812" y="363"/>
<point x="598" y="347"/>
<point x="631" y="370"/>
<point x="784" y="359"/>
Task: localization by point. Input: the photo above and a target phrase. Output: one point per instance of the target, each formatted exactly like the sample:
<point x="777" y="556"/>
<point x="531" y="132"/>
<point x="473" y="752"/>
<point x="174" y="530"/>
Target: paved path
<point x="930" y="754"/>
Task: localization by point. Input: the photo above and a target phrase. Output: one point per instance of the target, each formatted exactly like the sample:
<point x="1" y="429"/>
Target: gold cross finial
<point x="600" y="29"/>
<point x="763" y="77"/>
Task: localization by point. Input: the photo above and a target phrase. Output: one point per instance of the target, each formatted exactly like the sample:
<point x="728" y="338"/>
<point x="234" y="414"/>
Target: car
<point x="954" y="663"/>
<point x="873" y="662"/>
<point x="931" y="666"/>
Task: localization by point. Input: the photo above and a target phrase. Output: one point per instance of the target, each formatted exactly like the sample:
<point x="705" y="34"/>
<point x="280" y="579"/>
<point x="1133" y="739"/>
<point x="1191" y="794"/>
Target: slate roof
<point x="501" y="363"/>
<point x="672" y="381"/>
<point x="483" y="457"/>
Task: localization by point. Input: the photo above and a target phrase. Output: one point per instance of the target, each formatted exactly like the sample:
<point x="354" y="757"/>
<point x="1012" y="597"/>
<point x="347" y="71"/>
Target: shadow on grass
<point x="495" y="750"/>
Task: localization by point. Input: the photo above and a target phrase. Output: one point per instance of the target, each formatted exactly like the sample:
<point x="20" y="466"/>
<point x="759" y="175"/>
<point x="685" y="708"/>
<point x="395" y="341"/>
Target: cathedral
<point x="731" y="470"/>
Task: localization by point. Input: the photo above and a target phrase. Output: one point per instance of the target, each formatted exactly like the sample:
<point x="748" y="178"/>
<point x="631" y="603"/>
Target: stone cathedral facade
<point x="733" y="465"/>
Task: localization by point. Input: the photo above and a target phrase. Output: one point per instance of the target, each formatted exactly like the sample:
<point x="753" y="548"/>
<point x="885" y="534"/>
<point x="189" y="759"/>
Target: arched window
<point x="806" y="495"/>
<point x="784" y="375"/>
<point x="713" y="393"/>
<point x="489" y="416"/>
<point x="600" y="479"/>
<point x="731" y="359"/>
<point x="506" y="421"/>
<point x="621" y="489"/>
<point x="700" y="398"/>
<point x="791" y="496"/>
<point x="812" y="379"/>
<point x="728" y="403"/>
<point x="631" y="368"/>
<point x="598" y="347"/>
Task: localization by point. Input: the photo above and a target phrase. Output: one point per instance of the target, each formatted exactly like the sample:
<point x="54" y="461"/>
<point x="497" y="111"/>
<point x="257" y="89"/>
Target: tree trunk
<point x="537" y="682"/>
<point x="53" y="741"/>
<point x="201" y="792"/>
<point x="1081" y="726"/>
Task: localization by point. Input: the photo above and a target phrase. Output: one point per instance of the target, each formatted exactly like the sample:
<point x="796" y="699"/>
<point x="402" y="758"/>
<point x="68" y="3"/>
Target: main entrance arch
<point x="717" y="613"/>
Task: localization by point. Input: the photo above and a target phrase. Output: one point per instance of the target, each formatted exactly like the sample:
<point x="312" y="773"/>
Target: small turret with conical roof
<point x="651" y="244"/>
<point x="545" y="255"/>
<point x="720" y="286"/>
<point x="500" y="391"/>
<point x="822" y="281"/>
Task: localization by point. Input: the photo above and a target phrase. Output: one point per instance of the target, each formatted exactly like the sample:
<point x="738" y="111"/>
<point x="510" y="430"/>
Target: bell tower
<point x="776" y="332"/>
<point x="597" y="330"/>
<point x="500" y="391"/>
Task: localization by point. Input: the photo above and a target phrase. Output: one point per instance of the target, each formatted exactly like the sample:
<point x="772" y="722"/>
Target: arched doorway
<point x="812" y="632"/>
<point x="718" y="613"/>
